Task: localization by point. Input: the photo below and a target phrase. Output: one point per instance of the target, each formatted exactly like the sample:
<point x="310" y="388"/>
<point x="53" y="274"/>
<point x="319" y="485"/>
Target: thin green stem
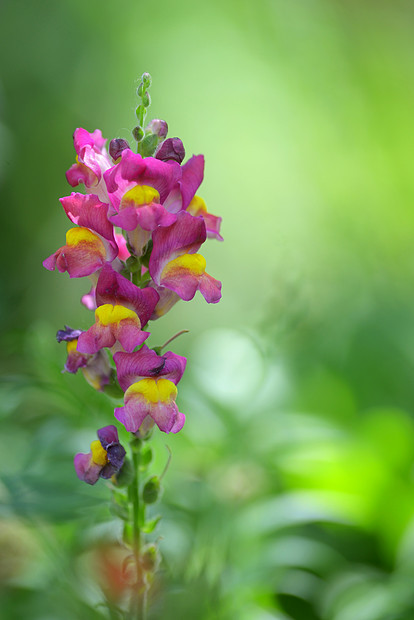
<point x="138" y="598"/>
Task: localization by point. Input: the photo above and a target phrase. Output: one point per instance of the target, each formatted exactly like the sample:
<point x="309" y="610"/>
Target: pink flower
<point x="175" y="263"/>
<point x="149" y="381"/>
<point x="91" y="245"/>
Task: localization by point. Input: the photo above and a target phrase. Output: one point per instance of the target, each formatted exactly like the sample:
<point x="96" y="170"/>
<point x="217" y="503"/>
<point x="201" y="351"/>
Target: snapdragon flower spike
<point x="175" y="264"/>
<point x="197" y="207"/>
<point x="149" y="381"/>
<point x="92" y="161"/>
<point x="122" y="310"/>
<point x="192" y="174"/>
<point x="95" y="368"/>
<point x="89" y="246"/>
<point x="105" y="458"/>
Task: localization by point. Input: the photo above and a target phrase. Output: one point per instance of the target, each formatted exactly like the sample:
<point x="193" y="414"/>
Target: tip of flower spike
<point x="146" y="79"/>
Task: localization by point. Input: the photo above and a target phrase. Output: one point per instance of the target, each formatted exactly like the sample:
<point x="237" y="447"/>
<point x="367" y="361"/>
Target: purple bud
<point x="116" y="147"/>
<point x="158" y="127"/>
<point x="172" y="148"/>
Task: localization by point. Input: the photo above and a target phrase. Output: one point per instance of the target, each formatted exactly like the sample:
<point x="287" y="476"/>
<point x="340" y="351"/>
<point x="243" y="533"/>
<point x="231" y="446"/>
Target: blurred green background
<point x="291" y="490"/>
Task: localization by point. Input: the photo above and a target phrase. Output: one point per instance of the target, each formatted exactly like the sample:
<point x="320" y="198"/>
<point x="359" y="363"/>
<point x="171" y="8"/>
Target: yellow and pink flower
<point x="89" y="246"/>
<point x="175" y="263"/>
<point x="150" y="382"/>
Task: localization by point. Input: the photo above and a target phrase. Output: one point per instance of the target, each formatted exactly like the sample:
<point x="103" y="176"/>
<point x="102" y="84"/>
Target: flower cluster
<point x="137" y="232"/>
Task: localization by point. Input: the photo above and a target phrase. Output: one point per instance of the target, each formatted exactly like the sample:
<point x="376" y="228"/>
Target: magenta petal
<point x="132" y="367"/>
<point x="88" y="211"/>
<point x="179" y="423"/>
<point x="212" y="223"/>
<point x="151" y="216"/>
<point x="210" y="288"/>
<point x="88" y="300"/>
<point x="50" y="262"/>
<point x="86" y="469"/>
<point x="95" y="338"/>
<point x="185" y="236"/>
<point x="123" y="252"/>
<point x="78" y="261"/>
<point x="82" y="138"/>
<point x="112" y="288"/>
<point x="165" y="416"/>
<point x="125" y="219"/>
<point x="192" y="177"/>
<point x="174" y="366"/>
<point x="130" y="336"/>
<point x="185" y="284"/>
<point x="184" y="191"/>
<point x="79" y="173"/>
<point x="131" y="416"/>
<point x="143" y="363"/>
<point x="148" y="217"/>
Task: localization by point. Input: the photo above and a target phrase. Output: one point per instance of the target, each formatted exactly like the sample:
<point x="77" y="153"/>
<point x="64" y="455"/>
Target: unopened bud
<point x="151" y="490"/>
<point x="140" y="89"/>
<point x="149" y="144"/>
<point x="116" y="147"/>
<point x="141" y="113"/>
<point x="150" y="558"/>
<point x="171" y="148"/>
<point x="158" y="127"/>
<point x="147" y="79"/>
<point x="146" y="99"/>
<point x="138" y="133"/>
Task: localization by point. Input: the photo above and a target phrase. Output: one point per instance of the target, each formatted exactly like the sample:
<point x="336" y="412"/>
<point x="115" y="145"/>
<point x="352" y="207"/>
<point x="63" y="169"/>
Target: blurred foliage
<point x="291" y="491"/>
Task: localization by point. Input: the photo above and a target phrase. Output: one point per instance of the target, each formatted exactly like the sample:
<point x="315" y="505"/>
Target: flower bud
<point x="158" y="127"/>
<point x="116" y="147"/>
<point x="147" y="79"/>
<point x="138" y="133"/>
<point x="172" y="148"/>
<point x="140" y="111"/>
<point x="149" y="144"/>
<point x="146" y="99"/>
<point x="146" y="457"/>
<point x="150" y="558"/>
<point x="151" y="490"/>
<point x="140" y="89"/>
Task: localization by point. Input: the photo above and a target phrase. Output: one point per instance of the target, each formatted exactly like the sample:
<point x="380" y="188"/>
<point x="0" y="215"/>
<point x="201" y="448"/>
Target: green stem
<point x="138" y="598"/>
